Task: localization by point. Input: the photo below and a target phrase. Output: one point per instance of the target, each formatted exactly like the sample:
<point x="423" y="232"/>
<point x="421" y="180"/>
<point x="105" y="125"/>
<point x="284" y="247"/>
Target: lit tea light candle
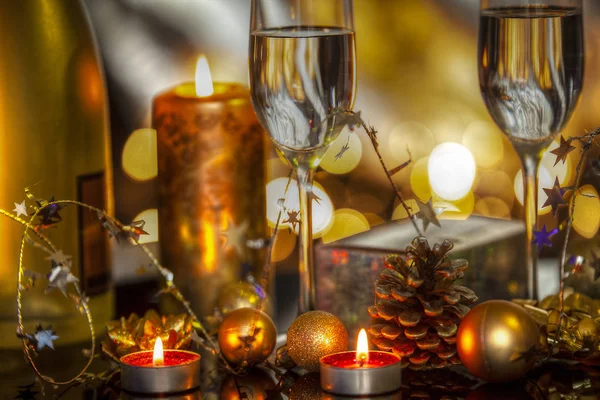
<point x="160" y="371"/>
<point x="361" y="372"/>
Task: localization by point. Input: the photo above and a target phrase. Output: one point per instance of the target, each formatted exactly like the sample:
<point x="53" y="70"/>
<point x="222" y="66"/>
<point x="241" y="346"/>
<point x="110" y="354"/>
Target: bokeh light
<point x="485" y="142"/>
<point x="457" y="210"/>
<point x="493" y="207"/>
<point x="344" y="154"/>
<point x="586" y="217"/>
<point x="451" y="171"/>
<point x="139" y="158"/>
<point x="346" y="222"/>
<point x="400" y="212"/>
<point x="150" y="217"/>
<point x="419" y="180"/>
<point x="322" y="209"/>
<point x="285" y="242"/>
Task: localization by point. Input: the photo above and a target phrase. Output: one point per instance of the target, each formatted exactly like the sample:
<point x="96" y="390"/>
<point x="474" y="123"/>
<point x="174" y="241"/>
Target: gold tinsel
<point x="579" y="335"/>
<point x="126" y="336"/>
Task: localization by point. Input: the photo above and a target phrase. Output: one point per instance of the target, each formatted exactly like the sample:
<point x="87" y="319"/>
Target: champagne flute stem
<point x="306" y="262"/>
<point x="530" y="195"/>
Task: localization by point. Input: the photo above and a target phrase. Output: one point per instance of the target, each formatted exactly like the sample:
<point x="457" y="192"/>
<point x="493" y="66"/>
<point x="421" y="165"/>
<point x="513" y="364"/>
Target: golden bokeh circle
<point x="586" y="217"/>
<point x="139" y="157"/>
<point x="346" y="222"/>
<point x="347" y="148"/>
<point x="150" y="217"/>
<point x="456" y="210"/>
<point x="400" y="212"/>
<point x="485" y="142"/>
<point x="419" y="180"/>
<point x="285" y="243"/>
<point x="493" y="207"/>
<point x="374" y="219"/>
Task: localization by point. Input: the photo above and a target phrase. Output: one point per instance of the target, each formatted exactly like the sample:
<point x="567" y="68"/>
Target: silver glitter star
<point x="44" y="338"/>
<point x="20" y="209"/>
<point x="60" y="258"/>
<point x="59" y="277"/>
<point x="427" y="214"/>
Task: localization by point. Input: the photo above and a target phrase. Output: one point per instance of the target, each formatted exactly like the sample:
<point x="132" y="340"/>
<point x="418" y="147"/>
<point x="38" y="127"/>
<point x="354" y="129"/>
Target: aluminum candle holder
<point x="361" y="373"/>
<point x="158" y="371"/>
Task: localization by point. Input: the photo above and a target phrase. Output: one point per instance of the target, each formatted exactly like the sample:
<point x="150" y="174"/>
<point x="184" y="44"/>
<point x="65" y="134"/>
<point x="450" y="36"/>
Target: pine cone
<point x="419" y="307"/>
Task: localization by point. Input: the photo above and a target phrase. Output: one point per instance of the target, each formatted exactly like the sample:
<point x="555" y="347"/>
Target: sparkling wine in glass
<point x="302" y="70"/>
<point x="530" y="56"/>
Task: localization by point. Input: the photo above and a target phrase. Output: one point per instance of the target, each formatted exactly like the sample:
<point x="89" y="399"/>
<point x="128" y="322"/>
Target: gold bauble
<point x="242" y="295"/>
<point x="313" y="335"/>
<point x="240" y="343"/>
<point x="496" y="341"/>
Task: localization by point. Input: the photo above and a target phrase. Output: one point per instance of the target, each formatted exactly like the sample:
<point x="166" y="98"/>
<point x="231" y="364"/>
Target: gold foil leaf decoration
<point x="133" y="334"/>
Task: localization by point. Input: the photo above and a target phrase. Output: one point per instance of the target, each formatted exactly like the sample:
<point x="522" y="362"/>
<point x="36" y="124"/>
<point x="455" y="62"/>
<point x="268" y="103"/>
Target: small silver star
<point x="59" y="277"/>
<point x="20" y="209"/>
<point x="236" y="237"/>
<point x="427" y="214"/>
<point x="44" y="338"/>
<point x="60" y="258"/>
<point x="344" y="149"/>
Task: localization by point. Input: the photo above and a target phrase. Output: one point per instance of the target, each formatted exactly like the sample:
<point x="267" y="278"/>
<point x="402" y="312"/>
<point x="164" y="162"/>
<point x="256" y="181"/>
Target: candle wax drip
<point x="348" y="360"/>
<point x="171" y="358"/>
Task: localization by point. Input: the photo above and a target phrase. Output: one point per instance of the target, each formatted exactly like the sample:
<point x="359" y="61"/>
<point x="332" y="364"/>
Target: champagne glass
<point x="530" y="56"/>
<point x="302" y="69"/>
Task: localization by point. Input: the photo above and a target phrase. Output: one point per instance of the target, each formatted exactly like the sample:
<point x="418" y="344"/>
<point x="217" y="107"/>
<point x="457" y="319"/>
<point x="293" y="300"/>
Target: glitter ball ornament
<point x="497" y="341"/>
<point x="242" y="295"/>
<point x="247" y="336"/>
<point x="313" y="335"/>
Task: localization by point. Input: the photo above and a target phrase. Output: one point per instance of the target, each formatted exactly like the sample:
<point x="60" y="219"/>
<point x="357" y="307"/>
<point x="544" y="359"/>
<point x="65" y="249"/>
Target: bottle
<point x="54" y="138"/>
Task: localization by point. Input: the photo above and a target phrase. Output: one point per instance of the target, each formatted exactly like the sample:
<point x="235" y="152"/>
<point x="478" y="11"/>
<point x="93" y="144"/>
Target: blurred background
<point x="417" y="84"/>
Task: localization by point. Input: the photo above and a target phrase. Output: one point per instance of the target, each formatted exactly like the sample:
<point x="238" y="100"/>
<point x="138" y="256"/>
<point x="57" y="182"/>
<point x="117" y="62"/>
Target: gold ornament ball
<point x="307" y="387"/>
<point x="242" y="346"/>
<point x="242" y="295"/>
<point x="313" y="335"/>
<point x="496" y="339"/>
<point x="254" y="385"/>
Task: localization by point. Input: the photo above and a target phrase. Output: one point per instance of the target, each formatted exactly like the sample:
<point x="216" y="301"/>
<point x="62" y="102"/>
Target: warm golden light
<point x="158" y="356"/>
<point x="501" y="338"/>
<point x="362" y="347"/>
<point x="204" y="84"/>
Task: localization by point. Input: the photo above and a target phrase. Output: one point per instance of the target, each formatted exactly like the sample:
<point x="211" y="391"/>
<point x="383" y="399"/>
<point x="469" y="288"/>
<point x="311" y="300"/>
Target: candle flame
<point x="204" y="85"/>
<point x="158" y="356"/>
<point x="362" y="347"/>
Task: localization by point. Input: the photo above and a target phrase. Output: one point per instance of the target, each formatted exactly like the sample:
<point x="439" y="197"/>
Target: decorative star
<point x="427" y="214"/>
<point x="110" y="225"/>
<point x="556" y="197"/>
<point x="562" y="150"/>
<point x="312" y="196"/>
<point x="344" y="149"/>
<point x="236" y="237"/>
<point x="80" y="302"/>
<point x="26" y="392"/>
<point x="20" y="209"/>
<point x="59" y="277"/>
<point x="49" y="214"/>
<point x="31" y="278"/>
<point x="343" y="118"/>
<point x="292" y="218"/>
<point x="542" y="238"/>
<point x="60" y="258"/>
<point x="133" y="231"/>
<point x="41" y="338"/>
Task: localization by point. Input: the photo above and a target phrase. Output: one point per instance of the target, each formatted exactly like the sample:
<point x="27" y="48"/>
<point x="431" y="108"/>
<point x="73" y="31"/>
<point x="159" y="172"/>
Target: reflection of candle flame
<point x="362" y="348"/>
<point x="204" y="85"/>
<point x="158" y="356"/>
